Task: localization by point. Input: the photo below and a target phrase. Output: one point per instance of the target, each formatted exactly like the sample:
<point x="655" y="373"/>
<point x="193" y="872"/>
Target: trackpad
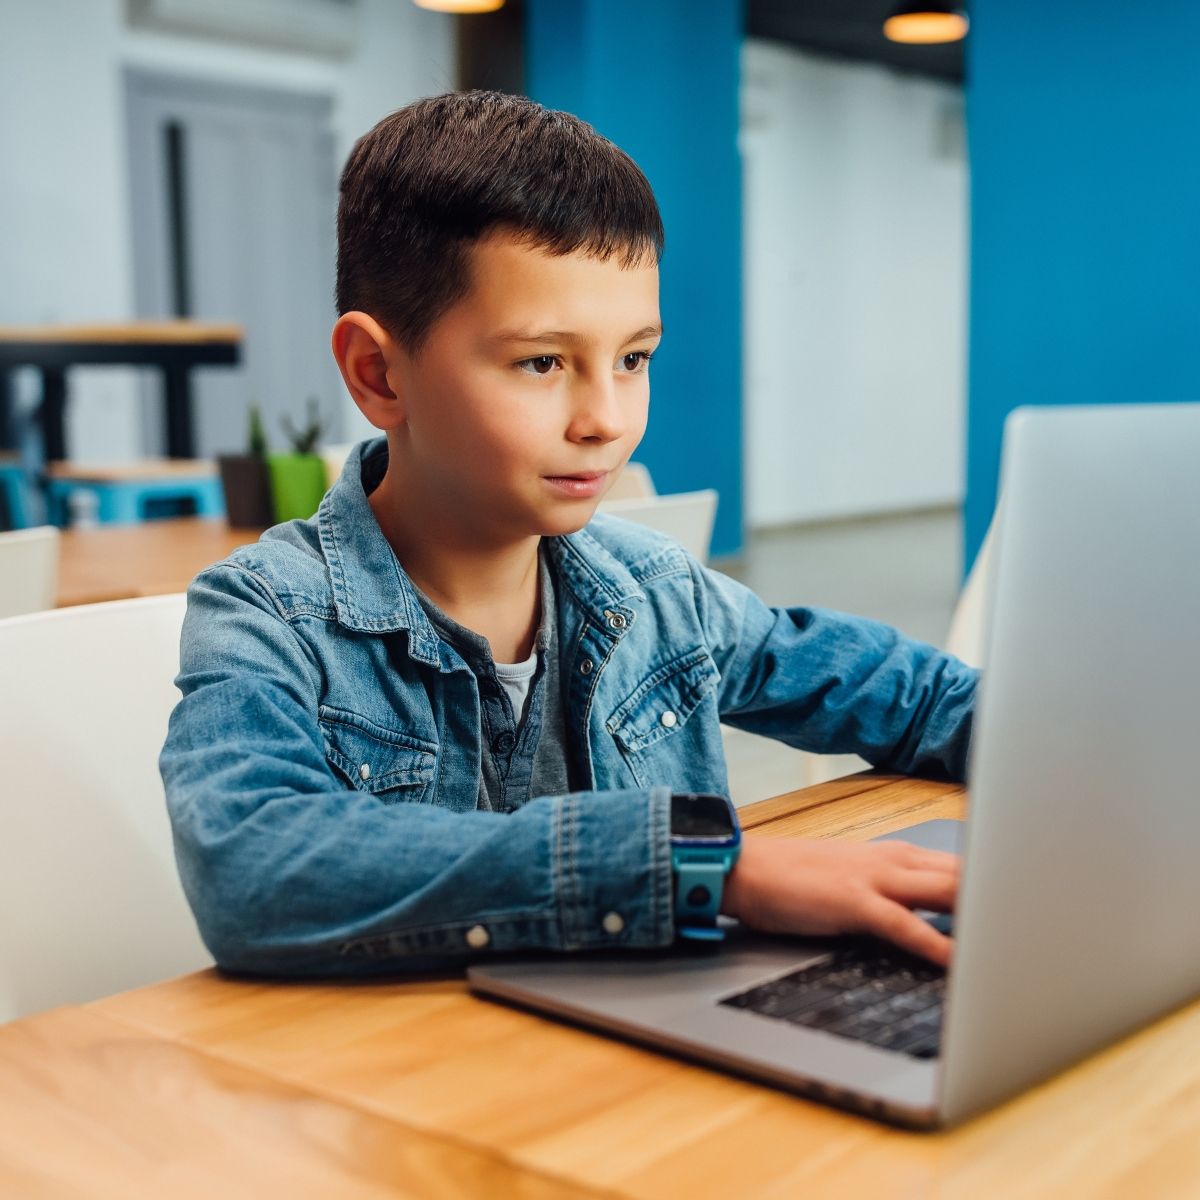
<point x="944" y="835"/>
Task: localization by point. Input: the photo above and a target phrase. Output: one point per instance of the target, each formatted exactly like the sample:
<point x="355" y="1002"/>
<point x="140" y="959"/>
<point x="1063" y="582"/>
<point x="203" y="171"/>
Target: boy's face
<point x="530" y="393"/>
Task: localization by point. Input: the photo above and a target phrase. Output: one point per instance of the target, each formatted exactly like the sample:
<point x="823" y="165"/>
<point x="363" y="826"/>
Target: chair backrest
<point x="334" y="458"/>
<point x="633" y="483"/>
<point x="90" y="900"/>
<point x="686" y="516"/>
<point x="967" y="638"/>
<point x="28" y="570"/>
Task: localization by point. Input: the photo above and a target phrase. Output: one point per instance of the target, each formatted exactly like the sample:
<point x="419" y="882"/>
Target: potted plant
<point x="245" y="481"/>
<point x="298" y="479"/>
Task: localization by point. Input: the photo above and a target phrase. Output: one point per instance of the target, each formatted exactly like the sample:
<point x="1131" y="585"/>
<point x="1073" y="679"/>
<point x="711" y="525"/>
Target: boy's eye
<point x="542" y="365"/>
<point x="633" y="363"/>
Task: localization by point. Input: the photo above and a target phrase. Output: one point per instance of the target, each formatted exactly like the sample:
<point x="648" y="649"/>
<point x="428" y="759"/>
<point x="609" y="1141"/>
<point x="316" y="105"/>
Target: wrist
<point x="735" y="899"/>
<point x="730" y="906"/>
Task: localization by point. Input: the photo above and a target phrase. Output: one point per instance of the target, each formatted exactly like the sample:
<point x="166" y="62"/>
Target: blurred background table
<point x="152" y="558"/>
<point x="173" y="347"/>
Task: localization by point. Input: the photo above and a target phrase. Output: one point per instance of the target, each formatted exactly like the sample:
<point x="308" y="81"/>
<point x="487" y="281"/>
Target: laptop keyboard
<point x="887" y="998"/>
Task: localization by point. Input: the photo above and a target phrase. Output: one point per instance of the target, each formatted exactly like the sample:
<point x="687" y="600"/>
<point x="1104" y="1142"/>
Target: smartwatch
<point x="705" y="842"/>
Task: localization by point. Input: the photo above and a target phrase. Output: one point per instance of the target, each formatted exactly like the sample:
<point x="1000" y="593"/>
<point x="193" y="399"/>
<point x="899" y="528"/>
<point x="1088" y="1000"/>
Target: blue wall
<point x="1084" y="127"/>
<point x="661" y="80"/>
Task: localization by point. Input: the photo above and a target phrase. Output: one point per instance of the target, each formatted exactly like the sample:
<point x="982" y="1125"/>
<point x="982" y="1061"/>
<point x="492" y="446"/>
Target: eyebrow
<point x="562" y="335"/>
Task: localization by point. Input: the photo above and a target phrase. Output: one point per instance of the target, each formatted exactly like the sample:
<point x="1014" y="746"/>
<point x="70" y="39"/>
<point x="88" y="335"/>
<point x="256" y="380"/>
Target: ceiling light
<point x="460" y="6"/>
<point x="929" y="24"/>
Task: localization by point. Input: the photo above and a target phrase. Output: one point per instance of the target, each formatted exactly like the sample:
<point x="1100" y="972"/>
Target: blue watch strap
<point x="699" y="883"/>
<point x="698" y="887"/>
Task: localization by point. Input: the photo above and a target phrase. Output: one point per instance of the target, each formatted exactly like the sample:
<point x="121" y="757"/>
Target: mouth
<point x="580" y="484"/>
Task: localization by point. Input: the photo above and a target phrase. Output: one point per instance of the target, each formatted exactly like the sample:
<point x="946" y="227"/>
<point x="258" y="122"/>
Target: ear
<point x="367" y="356"/>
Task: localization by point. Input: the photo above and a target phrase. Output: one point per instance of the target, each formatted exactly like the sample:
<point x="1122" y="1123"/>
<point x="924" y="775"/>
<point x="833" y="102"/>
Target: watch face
<point x="700" y="816"/>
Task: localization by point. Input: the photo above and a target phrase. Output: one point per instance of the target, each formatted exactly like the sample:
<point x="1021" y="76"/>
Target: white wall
<point x="65" y="238"/>
<point x="855" y="203"/>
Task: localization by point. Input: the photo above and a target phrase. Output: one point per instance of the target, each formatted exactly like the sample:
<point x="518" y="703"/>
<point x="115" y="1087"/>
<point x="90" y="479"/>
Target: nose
<point x="596" y="412"/>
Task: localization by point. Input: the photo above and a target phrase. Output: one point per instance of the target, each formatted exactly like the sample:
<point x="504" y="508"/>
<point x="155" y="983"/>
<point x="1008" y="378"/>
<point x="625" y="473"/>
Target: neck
<point x="490" y="586"/>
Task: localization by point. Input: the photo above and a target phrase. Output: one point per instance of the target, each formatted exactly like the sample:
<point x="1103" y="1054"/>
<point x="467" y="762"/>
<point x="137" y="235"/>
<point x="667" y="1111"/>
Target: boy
<point x="443" y="717"/>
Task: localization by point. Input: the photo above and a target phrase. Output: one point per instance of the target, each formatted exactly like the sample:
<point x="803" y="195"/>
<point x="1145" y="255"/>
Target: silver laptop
<point x="1077" y="918"/>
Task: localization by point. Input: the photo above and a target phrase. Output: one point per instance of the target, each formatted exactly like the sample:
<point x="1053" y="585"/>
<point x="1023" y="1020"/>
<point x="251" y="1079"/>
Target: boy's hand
<point x="825" y="887"/>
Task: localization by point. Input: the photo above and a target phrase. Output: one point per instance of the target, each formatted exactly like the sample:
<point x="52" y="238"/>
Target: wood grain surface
<point x="91" y="1106"/>
<point x="551" y="1103"/>
<point x="126" y="332"/>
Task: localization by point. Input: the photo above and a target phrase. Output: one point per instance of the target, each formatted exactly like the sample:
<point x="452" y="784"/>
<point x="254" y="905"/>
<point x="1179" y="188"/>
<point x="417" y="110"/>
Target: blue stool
<point x="125" y="495"/>
<point x="13" y="486"/>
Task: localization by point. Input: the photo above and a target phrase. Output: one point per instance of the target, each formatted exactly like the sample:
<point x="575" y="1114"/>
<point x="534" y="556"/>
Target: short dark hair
<point x="437" y="175"/>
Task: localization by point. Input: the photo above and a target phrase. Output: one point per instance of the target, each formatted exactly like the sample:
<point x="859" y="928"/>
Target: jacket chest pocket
<point x="651" y="726"/>
<point x="392" y="766"/>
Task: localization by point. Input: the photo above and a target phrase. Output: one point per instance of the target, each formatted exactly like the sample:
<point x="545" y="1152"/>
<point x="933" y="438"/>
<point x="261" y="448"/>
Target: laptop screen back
<point x="1077" y="919"/>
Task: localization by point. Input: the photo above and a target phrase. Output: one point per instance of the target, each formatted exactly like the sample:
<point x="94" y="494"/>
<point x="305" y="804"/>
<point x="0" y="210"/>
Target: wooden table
<point x="172" y="347"/>
<point x="204" y="1086"/>
<point x="118" y="562"/>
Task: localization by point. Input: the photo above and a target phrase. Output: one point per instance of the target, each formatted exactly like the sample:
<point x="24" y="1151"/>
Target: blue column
<point x="1085" y="181"/>
<point x="660" y="78"/>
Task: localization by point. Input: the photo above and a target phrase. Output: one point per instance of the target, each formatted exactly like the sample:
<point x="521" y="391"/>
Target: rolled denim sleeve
<point x="836" y="684"/>
<point x="291" y="872"/>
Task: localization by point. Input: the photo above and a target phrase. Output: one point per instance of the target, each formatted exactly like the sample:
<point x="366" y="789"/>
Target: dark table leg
<point x="8" y="411"/>
<point x="52" y="413"/>
<point x="177" y="393"/>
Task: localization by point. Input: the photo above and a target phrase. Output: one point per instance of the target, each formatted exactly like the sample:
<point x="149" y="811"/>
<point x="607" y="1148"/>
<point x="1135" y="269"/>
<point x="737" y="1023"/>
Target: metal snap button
<point x="478" y="937"/>
<point x="503" y="743"/>
<point x="585" y="667"/>
<point x="364" y="772"/>
<point x="669" y="720"/>
<point x="613" y="923"/>
<point x="616" y="620"/>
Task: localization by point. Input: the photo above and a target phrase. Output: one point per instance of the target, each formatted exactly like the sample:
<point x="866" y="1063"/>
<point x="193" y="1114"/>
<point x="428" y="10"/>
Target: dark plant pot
<point x="247" y="490"/>
<point x="297" y="484"/>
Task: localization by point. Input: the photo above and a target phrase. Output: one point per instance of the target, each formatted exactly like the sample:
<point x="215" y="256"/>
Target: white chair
<point x="686" y="516"/>
<point x="334" y="458"/>
<point x="28" y="570"/>
<point x="968" y="626"/>
<point x="90" y="901"/>
<point x="633" y="483"/>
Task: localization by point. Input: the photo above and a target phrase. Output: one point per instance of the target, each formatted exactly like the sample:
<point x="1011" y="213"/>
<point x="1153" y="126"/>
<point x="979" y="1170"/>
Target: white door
<point x="233" y="196"/>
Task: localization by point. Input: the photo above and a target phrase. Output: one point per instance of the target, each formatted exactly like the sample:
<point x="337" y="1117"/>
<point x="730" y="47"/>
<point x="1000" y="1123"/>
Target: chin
<point x="567" y="520"/>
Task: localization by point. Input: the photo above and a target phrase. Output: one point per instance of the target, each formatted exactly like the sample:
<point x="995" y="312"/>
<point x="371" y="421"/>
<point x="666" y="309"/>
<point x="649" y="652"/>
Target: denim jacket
<point x="322" y="766"/>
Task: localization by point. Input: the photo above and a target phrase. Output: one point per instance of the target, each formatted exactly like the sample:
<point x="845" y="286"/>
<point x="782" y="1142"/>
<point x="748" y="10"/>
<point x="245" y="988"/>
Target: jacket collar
<point x="373" y="594"/>
<point x="371" y="591"/>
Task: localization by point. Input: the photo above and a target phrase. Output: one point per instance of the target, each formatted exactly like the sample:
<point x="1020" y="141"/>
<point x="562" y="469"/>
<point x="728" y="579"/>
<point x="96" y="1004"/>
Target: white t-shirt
<point x="515" y="679"/>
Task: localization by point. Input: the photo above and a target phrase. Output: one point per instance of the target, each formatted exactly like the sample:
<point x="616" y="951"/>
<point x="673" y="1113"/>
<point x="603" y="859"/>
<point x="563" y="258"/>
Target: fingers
<point x="922" y="889"/>
<point x="921" y="859"/>
<point x="828" y="888"/>
<point x="892" y="921"/>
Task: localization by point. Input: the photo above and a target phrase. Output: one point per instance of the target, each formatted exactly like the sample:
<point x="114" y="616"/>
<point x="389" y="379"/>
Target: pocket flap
<point x="663" y="702"/>
<point x="374" y="759"/>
